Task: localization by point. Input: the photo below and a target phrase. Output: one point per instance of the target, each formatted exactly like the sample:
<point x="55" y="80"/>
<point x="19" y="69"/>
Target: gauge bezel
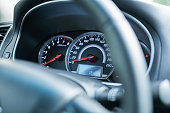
<point x="73" y="43"/>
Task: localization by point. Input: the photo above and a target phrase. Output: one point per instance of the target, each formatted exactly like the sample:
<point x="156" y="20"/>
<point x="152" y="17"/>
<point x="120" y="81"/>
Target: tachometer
<point x="52" y="53"/>
<point x="90" y="55"/>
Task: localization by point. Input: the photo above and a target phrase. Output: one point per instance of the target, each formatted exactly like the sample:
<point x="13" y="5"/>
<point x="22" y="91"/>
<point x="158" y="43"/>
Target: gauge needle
<point x="82" y="59"/>
<point x="53" y="59"/>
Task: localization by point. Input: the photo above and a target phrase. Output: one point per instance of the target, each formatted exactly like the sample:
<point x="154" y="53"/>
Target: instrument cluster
<point x="87" y="54"/>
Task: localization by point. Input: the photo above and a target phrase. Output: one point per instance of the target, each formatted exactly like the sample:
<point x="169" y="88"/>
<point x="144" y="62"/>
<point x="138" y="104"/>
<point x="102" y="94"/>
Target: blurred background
<point x="165" y="2"/>
<point x="7" y="8"/>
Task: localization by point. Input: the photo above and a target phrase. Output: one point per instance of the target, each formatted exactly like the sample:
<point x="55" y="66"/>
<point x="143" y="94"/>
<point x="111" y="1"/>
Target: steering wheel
<point x="28" y="88"/>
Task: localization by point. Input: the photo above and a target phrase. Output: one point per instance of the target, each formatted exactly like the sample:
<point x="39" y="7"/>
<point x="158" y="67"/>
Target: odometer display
<point x="89" y="54"/>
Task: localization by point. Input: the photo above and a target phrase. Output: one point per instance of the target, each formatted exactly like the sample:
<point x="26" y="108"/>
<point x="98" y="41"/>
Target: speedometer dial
<point x="52" y="53"/>
<point x="89" y="55"/>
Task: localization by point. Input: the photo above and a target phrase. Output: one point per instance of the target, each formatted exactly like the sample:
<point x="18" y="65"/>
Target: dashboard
<point x="68" y="39"/>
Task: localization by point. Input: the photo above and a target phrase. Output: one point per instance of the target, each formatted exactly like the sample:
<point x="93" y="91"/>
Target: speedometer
<point x="89" y="55"/>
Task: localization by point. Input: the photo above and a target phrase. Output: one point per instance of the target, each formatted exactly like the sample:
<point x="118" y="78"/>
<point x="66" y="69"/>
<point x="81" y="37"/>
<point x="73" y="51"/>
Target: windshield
<point x="164" y="2"/>
<point x="6" y="10"/>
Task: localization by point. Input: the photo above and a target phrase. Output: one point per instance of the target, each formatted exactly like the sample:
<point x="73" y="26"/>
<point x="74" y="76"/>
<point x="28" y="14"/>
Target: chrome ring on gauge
<point x="89" y="55"/>
<point x="52" y="53"/>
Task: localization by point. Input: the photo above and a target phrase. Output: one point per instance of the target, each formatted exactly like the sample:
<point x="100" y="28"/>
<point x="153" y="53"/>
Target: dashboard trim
<point x="6" y="33"/>
<point x="148" y="35"/>
<point x="19" y="34"/>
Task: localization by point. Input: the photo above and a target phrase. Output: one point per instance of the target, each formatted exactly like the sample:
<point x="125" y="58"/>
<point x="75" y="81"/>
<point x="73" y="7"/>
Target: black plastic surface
<point x="46" y="21"/>
<point x="43" y="22"/>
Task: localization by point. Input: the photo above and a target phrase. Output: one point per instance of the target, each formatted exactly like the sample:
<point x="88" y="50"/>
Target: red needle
<point x="82" y="59"/>
<point x="53" y="59"/>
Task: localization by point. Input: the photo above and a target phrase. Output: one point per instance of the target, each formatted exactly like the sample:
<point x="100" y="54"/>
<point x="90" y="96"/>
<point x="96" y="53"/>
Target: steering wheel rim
<point x="107" y="14"/>
<point x="113" y="24"/>
<point x="29" y="88"/>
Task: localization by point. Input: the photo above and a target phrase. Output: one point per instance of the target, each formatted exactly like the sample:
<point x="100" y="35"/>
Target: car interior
<point x="84" y="56"/>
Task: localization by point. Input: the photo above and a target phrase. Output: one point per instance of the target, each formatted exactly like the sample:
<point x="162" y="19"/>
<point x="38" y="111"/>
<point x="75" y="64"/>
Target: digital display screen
<point x="90" y="70"/>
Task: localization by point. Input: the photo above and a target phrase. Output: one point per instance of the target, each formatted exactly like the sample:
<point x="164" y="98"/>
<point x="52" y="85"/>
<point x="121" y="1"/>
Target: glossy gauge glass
<point x="53" y="52"/>
<point x="89" y="55"/>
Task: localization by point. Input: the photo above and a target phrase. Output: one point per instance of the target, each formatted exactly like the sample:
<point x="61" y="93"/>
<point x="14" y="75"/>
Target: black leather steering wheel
<point x="28" y="88"/>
